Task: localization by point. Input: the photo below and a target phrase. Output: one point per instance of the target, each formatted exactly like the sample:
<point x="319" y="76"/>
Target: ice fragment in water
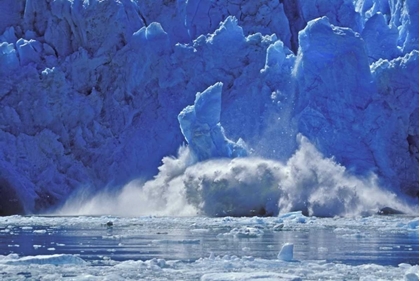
<point x="286" y="252"/>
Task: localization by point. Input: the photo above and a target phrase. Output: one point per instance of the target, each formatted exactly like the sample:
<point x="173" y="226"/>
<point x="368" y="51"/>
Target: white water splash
<point x="245" y="186"/>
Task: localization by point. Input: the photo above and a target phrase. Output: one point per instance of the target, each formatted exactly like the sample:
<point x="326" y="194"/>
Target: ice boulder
<point x="286" y="252"/>
<point x="200" y="125"/>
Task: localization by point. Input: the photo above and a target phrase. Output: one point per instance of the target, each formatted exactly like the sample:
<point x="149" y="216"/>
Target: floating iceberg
<point x="286" y="252"/>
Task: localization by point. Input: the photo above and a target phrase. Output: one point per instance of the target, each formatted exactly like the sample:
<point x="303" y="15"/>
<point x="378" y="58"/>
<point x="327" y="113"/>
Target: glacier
<point x="319" y="99"/>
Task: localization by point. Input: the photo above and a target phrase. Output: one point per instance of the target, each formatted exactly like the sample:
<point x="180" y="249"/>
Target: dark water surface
<point x="95" y="241"/>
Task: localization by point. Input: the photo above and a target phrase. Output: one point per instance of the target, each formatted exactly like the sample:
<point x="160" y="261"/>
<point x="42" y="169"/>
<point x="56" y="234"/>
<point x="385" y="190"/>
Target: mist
<point x="246" y="186"/>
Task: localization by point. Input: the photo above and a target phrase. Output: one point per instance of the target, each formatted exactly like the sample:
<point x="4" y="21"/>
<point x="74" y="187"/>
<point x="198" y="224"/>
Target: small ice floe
<point x="40" y="231"/>
<point x="411" y="276"/>
<point x="278" y="227"/>
<point x="248" y="258"/>
<point x="411" y="272"/>
<point x="286" y="252"/>
<point x="245" y="276"/>
<point x="228" y="219"/>
<point x="47" y="259"/>
<point x="322" y="250"/>
<point x="211" y="257"/>
<point x="414" y="224"/>
<point x="109" y="236"/>
<point x="183" y="241"/>
<point x="294" y="216"/>
<point x="349" y="233"/>
<point x="356" y="234"/>
<point x="245" y="232"/>
<point x="199" y="230"/>
<point x="155" y="264"/>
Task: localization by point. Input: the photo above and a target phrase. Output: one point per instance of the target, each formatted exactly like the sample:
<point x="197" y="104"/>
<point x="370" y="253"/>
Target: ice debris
<point x="286" y="252"/>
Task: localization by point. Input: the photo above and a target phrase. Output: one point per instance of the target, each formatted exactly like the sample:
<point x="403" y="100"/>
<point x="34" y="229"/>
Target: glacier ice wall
<point x="91" y="90"/>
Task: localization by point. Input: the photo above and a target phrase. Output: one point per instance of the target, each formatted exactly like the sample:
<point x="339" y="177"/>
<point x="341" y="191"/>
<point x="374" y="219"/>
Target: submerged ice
<point x="321" y="98"/>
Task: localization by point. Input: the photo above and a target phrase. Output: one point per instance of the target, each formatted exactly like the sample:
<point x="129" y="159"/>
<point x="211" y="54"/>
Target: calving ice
<point x="215" y="176"/>
<point x="209" y="140"/>
<point x="318" y="101"/>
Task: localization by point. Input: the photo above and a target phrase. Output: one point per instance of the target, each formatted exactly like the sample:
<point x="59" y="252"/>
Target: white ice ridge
<point x="90" y="91"/>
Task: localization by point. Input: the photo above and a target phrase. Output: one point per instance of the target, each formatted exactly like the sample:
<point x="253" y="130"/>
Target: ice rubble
<point x="217" y="268"/>
<point x="209" y="267"/>
<point x="90" y="91"/>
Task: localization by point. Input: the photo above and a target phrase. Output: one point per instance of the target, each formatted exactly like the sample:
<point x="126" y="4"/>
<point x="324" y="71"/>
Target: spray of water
<point x="245" y="186"/>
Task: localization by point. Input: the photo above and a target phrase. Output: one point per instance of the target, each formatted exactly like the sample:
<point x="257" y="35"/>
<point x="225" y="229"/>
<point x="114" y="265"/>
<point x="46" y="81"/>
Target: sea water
<point x="389" y="243"/>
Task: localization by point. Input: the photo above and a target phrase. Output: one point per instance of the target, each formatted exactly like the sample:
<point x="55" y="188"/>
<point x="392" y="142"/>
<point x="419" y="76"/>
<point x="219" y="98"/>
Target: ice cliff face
<point x="91" y="90"/>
